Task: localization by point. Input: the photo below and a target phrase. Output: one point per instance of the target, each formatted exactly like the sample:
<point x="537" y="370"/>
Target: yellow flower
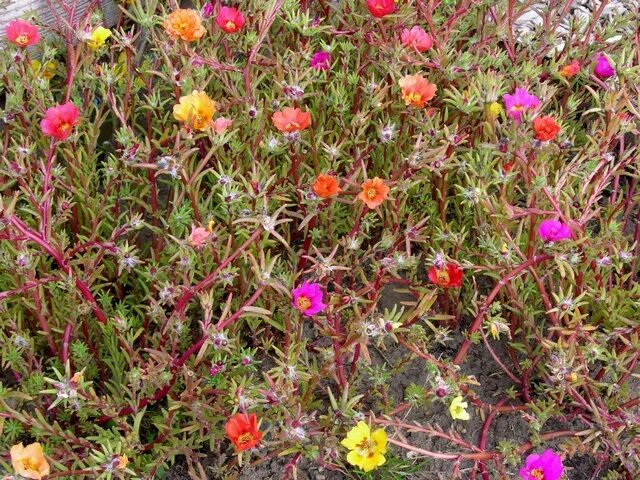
<point x="29" y="461"/>
<point x="195" y="110"/>
<point x="493" y="111"/>
<point x="367" y="449"/>
<point x="457" y="409"/>
<point x="46" y="71"/>
<point x="98" y="37"/>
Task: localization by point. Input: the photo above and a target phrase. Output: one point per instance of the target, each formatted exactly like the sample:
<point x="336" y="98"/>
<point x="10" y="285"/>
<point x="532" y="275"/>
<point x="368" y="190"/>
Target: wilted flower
<point x="545" y="128"/>
<point x="448" y="275"/>
<point x="553" y="231"/>
<point x="230" y="19"/>
<point x="520" y="101"/>
<point x="547" y="466"/>
<point x="242" y="430"/>
<point x="207" y="10"/>
<point x="22" y="33"/>
<point x="291" y="120"/>
<point x="417" y="39"/>
<point x="326" y="186"/>
<point x="98" y="37"/>
<point x="570" y="70"/>
<point x="308" y="298"/>
<point x="29" y="461"/>
<point x="195" y="110"/>
<point x="416" y="90"/>
<point x="603" y="68"/>
<point x="221" y="124"/>
<point x="458" y="409"/>
<point x="387" y="132"/>
<point x="381" y="8"/>
<point x="367" y="448"/>
<point x="374" y="192"/>
<point x="321" y="61"/>
<point x="184" y="23"/>
<point x="58" y="121"/>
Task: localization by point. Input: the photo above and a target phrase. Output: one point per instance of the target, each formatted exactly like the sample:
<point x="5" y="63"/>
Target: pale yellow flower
<point x="458" y="409"/>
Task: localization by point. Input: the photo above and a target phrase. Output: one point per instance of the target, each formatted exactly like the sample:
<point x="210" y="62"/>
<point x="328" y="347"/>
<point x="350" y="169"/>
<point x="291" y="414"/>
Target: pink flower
<point x="230" y="19"/>
<point x="321" y="61"/>
<point x="21" y="33"/>
<point x="221" y="124"/>
<point x="58" y="121"/>
<point x="553" y="231"/>
<point x="381" y="8"/>
<point x="520" y="101"/>
<point x="417" y="39"/>
<point x="207" y="10"/>
<point x="198" y="236"/>
<point x="547" y="466"/>
<point x="603" y="68"/>
<point x="308" y="298"/>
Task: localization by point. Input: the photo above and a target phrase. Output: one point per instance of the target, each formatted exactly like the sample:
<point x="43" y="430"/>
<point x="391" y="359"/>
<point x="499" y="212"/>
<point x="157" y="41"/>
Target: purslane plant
<point x="204" y="212"/>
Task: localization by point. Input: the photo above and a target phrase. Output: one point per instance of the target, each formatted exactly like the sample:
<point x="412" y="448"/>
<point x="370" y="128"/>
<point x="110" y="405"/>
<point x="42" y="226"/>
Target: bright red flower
<point x="381" y="8"/>
<point x="230" y="19"/>
<point x="58" y="121"/>
<point x="449" y="275"/>
<point x="546" y="128"/>
<point x="242" y="430"/>
<point x="21" y="33"/>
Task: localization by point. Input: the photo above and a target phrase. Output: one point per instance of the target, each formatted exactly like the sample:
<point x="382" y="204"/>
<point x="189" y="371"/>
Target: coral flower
<point x="308" y="298"/>
<point x="417" y="39"/>
<point x="230" y="19"/>
<point x="374" y="192"/>
<point x="547" y="466"/>
<point x="416" y="90"/>
<point x="603" y="68"/>
<point x="520" y="101"/>
<point x="381" y="8"/>
<point x="570" y="70"/>
<point x="449" y="275"/>
<point x="184" y="23"/>
<point x="221" y="124"/>
<point x="29" y="461"/>
<point x="242" y="430"/>
<point x="546" y="128"/>
<point x="326" y="186"/>
<point x="58" y="121"/>
<point x="458" y="409"/>
<point x="21" y="33"/>
<point x="198" y="236"/>
<point x="195" y="110"/>
<point x="291" y="119"/>
<point x="553" y="231"/>
<point x="321" y="61"/>
<point x="367" y="448"/>
<point x="98" y="37"/>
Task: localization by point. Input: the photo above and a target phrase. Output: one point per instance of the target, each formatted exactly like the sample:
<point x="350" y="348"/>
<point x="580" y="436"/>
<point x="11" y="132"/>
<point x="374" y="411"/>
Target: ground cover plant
<point x="321" y="239"/>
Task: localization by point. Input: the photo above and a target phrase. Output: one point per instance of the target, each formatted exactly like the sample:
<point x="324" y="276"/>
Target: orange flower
<point x="184" y="23"/>
<point x="291" y="119"/>
<point x="416" y="90"/>
<point x="374" y="192"/>
<point x="570" y="70"/>
<point x="195" y="110"/>
<point x="326" y="186"/>
<point x="242" y="430"/>
<point x="29" y="461"/>
<point x="546" y="128"/>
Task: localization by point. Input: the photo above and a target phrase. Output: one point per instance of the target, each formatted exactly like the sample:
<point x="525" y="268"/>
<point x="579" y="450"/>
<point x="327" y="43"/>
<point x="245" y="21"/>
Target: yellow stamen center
<point x="537" y="473"/>
<point x="517" y="107"/>
<point x="371" y="193"/>
<point x="64" y="127"/>
<point x="413" y="97"/>
<point x="230" y="25"/>
<point x="22" y="40"/>
<point x="245" y="438"/>
<point x="303" y="303"/>
<point x="442" y="276"/>
<point x="293" y="126"/>
<point x="29" y="464"/>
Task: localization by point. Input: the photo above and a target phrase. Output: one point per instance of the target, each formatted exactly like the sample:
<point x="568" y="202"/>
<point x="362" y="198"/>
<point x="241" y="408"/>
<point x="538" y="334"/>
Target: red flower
<point x="448" y="276"/>
<point x="546" y="128"/>
<point x="230" y="19"/>
<point x="381" y="8"/>
<point x="242" y="430"/>
<point x="22" y="33"/>
<point x="58" y="121"/>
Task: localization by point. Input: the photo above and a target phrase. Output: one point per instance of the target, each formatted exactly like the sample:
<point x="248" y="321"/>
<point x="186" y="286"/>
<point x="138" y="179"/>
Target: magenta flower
<point x="553" y="231"/>
<point x="321" y="61"/>
<point x="547" y="466"/>
<point x="308" y="298"/>
<point x="520" y="101"/>
<point x="603" y="68"/>
<point x="207" y="10"/>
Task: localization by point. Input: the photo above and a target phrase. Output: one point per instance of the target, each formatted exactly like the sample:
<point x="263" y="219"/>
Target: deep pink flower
<point x="547" y="466"/>
<point x="21" y="33"/>
<point x="308" y="298"/>
<point x="417" y="39"/>
<point x="520" y="101"/>
<point x="230" y="19"/>
<point x="198" y="236"/>
<point x="58" y="121"/>
<point x="321" y="61"/>
<point x="553" y="231"/>
<point x="381" y="8"/>
<point x="603" y="68"/>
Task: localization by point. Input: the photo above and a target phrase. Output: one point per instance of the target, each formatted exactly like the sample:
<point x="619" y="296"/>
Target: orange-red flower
<point x="449" y="275"/>
<point x="546" y="128"/>
<point x="22" y="33"/>
<point x="374" y="192"/>
<point x="326" y="186"/>
<point x="291" y="120"/>
<point x="570" y="69"/>
<point x="242" y="430"/>
<point x="184" y="23"/>
<point x="416" y="90"/>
